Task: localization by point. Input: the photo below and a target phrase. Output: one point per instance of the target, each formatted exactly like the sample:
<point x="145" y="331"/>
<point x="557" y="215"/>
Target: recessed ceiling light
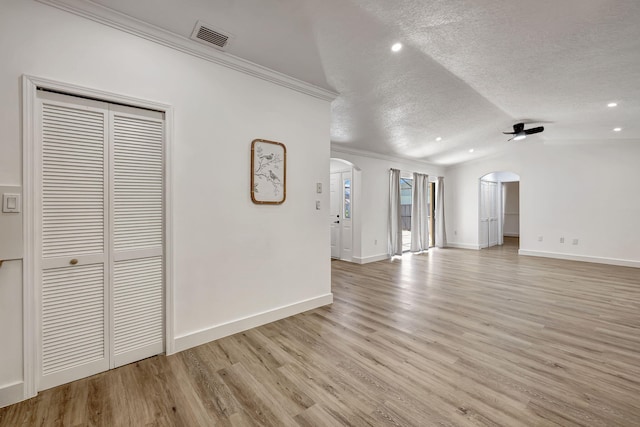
<point x="439" y="139"/>
<point x="396" y="47"/>
<point x="612" y="104"/>
<point x="472" y="150"/>
<point x="617" y="129"/>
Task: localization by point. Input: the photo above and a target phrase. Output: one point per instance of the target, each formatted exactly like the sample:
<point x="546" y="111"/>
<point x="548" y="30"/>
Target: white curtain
<point x="440" y="234"/>
<point x="420" y="213"/>
<point x="501" y="206"/>
<point x="395" y="219"/>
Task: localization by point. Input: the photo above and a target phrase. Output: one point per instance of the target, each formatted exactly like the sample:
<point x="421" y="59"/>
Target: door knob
<point x="73" y="261"/>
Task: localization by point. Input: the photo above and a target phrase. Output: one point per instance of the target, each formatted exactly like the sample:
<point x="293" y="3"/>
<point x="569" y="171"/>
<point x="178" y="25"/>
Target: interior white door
<point x="138" y="228"/>
<point x="101" y="273"/>
<point x="72" y="269"/>
<point x="490" y="225"/>
<point x="346" y="223"/>
<point x="494" y="226"/>
<point x="483" y="228"/>
<point x="335" y="207"/>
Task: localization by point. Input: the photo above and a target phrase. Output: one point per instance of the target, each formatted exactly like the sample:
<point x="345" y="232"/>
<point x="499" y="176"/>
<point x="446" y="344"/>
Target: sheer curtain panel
<point x="420" y="213"/>
<point x="441" y="234"/>
<point x="395" y="220"/>
<point x="503" y="199"/>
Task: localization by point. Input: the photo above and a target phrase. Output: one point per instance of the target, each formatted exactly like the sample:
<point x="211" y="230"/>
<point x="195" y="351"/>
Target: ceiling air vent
<point x="205" y="34"/>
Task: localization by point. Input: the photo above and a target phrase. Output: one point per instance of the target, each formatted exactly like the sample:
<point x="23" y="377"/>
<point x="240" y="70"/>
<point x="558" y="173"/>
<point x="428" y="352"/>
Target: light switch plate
<point x="11" y="203"/>
<point x="319" y="187"/>
<point x="11" y="227"/>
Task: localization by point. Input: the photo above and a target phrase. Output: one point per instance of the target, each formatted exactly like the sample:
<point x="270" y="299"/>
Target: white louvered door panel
<point x="73" y="339"/>
<point x="101" y="226"/>
<point x="138" y="309"/>
<point x="72" y="184"/>
<point x="493" y="213"/>
<point x="138" y="230"/>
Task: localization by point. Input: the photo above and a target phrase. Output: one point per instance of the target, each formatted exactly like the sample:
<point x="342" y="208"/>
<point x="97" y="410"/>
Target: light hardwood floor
<point x="453" y="337"/>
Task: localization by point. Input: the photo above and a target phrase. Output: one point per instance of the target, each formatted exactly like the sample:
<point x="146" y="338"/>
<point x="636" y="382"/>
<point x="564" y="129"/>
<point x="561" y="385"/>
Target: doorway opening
<point x="341" y="209"/>
<point x="99" y="168"/>
<point x="406" y="209"/>
<point x="499" y="210"/>
<point x="406" y="204"/>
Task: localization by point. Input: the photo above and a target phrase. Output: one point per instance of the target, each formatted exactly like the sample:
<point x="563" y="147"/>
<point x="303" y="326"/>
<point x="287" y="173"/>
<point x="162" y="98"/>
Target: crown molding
<point x="378" y="156"/>
<point x="104" y="15"/>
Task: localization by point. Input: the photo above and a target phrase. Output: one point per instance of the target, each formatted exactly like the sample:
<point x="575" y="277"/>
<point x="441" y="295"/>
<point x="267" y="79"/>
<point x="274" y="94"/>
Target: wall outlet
<point x="375" y="242"/>
<point x="562" y="240"/>
<point x="317" y="205"/>
<point x="540" y="238"/>
<point x="575" y="241"/>
<point x="455" y="232"/>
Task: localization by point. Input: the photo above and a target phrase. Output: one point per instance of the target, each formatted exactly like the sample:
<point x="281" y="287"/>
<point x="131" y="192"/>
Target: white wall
<point x="371" y="200"/>
<point x="233" y="260"/>
<point x="577" y="191"/>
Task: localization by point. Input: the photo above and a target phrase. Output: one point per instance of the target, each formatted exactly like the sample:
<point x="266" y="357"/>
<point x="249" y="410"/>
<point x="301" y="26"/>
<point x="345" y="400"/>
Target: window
<point x="347" y="199"/>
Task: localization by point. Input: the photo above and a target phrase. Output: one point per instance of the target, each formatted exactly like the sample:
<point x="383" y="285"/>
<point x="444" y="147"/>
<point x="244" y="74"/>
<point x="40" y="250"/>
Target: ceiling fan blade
<point x="534" y="130"/>
<point x="509" y="133"/>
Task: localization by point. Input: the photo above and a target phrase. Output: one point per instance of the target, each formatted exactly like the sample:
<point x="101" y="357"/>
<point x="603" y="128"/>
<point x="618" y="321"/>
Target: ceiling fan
<point x="519" y="132"/>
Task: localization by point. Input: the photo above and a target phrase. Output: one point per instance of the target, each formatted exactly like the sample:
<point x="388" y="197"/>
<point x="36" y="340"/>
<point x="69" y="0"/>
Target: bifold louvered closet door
<point x="101" y="269"/>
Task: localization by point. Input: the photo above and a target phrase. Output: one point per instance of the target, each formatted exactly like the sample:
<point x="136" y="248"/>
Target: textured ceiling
<point x="469" y="69"/>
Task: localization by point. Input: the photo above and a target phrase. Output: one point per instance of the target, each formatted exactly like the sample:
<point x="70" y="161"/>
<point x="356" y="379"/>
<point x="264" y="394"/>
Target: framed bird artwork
<point x="268" y="172"/>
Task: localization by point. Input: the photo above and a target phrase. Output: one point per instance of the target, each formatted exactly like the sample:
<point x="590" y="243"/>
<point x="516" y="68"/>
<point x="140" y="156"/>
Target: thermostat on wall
<point x="10" y="203"/>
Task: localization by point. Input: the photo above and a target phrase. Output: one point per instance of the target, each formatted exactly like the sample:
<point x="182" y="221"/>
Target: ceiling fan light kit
<point x="520" y="133"/>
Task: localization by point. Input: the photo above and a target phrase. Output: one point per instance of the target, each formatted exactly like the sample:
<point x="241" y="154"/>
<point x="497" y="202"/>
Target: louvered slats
<point x="138" y="304"/>
<point x="102" y="236"/>
<point x="138" y="190"/>
<point x="72" y="317"/>
<point x="72" y="181"/>
<point x="138" y="225"/>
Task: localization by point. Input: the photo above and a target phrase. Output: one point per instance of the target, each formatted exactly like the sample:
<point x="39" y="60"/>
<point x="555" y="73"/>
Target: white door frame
<point x="346" y="224"/>
<point x="492" y="224"/>
<point x="499" y="177"/>
<point x="356" y="197"/>
<point x="31" y="299"/>
<point x="335" y="221"/>
<point x="344" y="254"/>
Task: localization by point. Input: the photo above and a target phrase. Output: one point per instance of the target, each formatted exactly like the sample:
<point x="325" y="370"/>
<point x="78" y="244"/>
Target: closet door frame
<point x="32" y="337"/>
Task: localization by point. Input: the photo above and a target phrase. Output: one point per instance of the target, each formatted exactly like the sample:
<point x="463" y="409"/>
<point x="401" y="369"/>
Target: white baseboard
<point x="582" y="258"/>
<point x="368" y="259"/>
<point x="213" y="333"/>
<point x="463" y="246"/>
<point x="11" y="393"/>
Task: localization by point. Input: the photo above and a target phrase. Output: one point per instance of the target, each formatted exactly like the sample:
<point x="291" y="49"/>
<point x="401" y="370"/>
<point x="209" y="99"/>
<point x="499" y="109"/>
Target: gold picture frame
<point x="268" y="172"/>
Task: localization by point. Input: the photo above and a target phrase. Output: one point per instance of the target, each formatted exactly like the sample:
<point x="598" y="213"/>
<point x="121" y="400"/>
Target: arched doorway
<point x="499" y="209"/>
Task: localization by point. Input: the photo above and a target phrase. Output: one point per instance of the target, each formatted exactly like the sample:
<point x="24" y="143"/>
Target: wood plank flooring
<point x="449" y="338"/>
